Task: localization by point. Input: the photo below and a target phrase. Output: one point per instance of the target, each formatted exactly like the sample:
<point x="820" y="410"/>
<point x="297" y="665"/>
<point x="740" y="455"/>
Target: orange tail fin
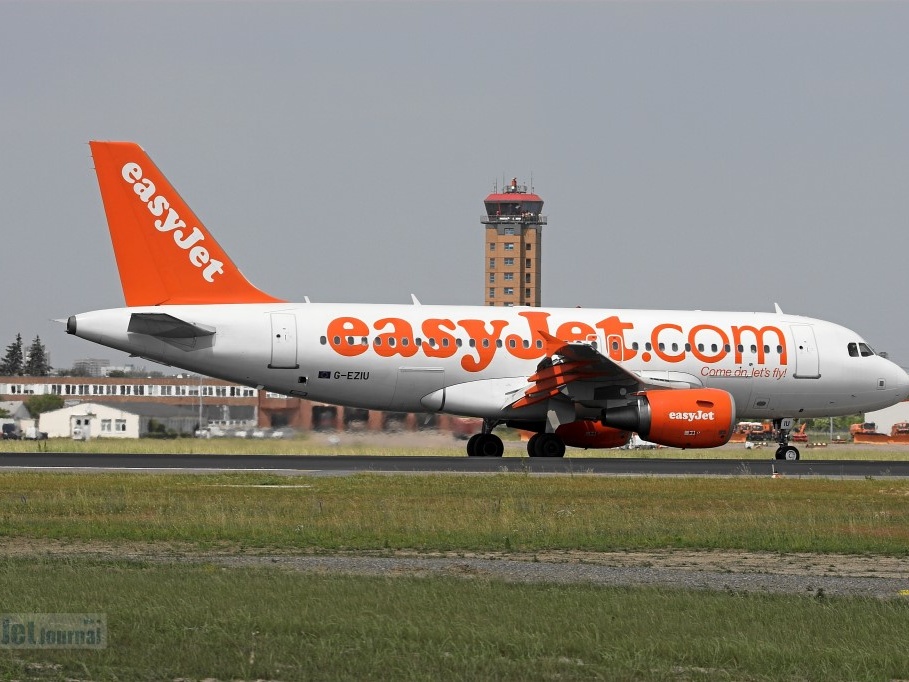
<point x="165" y="255"/>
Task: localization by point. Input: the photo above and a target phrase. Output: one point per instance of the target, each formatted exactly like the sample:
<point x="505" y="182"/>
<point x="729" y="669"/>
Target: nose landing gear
<point x="785" y="451"/>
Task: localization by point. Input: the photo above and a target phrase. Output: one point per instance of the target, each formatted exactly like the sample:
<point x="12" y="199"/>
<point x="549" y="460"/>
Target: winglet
<point x="552" y="343"/>
<point x="779" y="311"/>
<point x="164" y="253"/>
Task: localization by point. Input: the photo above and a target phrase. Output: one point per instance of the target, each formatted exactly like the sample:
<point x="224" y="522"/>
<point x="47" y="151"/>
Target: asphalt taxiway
<point x="348" y="464"/>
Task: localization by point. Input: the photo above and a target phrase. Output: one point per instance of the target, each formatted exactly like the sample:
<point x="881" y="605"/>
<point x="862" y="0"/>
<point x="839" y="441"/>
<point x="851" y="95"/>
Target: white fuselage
<point x="476" y="361"/>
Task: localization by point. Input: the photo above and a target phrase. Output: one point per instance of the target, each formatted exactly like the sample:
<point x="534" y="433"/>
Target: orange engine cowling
<point x="683" y="418"/>
<point x="586" y="433"/>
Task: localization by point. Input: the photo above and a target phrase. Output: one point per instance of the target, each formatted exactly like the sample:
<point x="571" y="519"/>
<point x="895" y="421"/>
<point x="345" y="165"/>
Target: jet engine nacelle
<point x="587" y="433"/>
<point x="683" y="418"/>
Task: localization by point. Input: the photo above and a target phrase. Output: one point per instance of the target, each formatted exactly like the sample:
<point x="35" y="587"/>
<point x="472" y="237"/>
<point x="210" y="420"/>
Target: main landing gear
<point x="545" y="445"/>
<point x="785" y="451"/>
<point x="485" y="443"/>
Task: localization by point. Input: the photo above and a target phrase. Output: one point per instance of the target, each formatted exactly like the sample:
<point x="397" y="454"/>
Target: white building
<point x="100" y="420"/>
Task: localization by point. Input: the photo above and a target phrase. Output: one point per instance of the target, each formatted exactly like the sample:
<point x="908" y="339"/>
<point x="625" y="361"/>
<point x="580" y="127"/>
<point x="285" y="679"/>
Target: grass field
<point x="418" y="444"/>
<point x="171" y="619"/>
<point x="203" y="622"/>
<point x="451" y="512"/>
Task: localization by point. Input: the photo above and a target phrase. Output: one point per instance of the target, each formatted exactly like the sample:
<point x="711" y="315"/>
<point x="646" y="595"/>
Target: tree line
<point x="33" y="362"/>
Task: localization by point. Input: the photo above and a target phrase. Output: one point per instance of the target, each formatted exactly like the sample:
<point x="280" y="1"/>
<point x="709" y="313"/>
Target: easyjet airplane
<point x="579" y="377"/>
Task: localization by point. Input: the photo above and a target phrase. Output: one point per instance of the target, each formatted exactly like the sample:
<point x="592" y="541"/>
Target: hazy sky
<point x="691" y="154"/>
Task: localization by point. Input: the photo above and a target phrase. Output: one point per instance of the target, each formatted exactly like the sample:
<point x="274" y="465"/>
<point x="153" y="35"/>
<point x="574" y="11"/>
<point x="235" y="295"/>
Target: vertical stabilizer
<point x="164" y="253"/>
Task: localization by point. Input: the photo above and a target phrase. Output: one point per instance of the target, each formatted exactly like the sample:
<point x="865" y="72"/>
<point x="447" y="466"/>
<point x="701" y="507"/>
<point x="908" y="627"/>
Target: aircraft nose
<point x="901" y="381"/>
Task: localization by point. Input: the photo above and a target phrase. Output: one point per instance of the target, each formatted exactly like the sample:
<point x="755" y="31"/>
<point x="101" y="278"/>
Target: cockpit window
<point x="860" y="348"/>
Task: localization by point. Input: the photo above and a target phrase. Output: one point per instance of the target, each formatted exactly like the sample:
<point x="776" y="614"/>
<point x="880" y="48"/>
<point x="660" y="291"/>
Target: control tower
<point x="514" y="230"/>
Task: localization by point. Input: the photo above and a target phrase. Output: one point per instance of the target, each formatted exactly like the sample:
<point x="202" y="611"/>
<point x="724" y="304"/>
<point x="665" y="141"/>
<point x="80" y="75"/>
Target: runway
<point x="349" y="464"/>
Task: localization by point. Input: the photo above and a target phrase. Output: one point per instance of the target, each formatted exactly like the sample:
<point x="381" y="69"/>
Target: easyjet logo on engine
<point x="157" y="204"/>
<point x="444" y="338"/>
<point x="692" y="416"/>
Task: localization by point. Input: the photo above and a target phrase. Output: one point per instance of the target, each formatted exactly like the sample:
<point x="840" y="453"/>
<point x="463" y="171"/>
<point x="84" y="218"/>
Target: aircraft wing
<point x="581" y="373"/>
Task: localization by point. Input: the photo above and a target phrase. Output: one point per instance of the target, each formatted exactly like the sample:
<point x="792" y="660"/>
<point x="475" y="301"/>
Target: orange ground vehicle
<point x="899" y="433"/>
<point x="762" y="432"/>
<point x="800" y="436"/>
<point x="866" y="432"/>
<point x="863" y="428"/>
<point x="743" y="430"/>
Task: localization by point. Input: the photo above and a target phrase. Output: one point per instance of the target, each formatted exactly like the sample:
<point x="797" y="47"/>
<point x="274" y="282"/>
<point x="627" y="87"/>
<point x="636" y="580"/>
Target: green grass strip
<point x="170" y="622"/>
<point x="510" y="512"/>
<point x="434" y="445"/>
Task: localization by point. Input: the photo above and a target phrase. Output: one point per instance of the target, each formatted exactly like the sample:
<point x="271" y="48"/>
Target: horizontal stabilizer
<point x="166" y="326"/>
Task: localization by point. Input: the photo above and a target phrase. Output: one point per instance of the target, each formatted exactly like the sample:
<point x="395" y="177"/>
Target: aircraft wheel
<point x="532" y="445"/>
<point x="787" y="452"/>
<point x="489" y="445"/>
<point x="550" y="445"/>
<point x="472" y="444"/>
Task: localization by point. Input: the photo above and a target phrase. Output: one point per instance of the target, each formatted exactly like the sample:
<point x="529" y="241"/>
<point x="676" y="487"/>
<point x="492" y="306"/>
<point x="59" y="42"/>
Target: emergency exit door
<point x="283" y="341"/>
